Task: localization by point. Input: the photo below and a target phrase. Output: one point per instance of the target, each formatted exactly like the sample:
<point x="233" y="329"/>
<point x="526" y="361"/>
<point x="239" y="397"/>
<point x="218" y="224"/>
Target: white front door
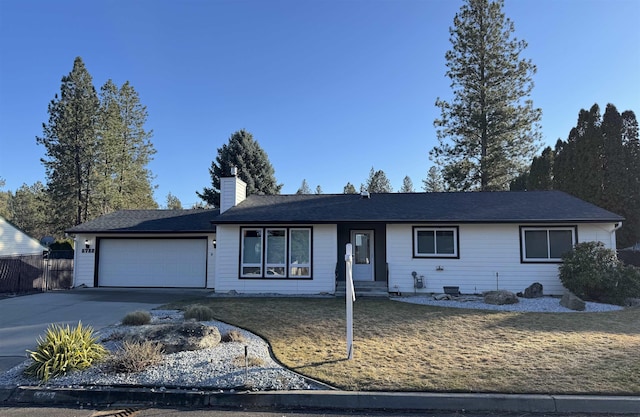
<point x="362" y="242"/>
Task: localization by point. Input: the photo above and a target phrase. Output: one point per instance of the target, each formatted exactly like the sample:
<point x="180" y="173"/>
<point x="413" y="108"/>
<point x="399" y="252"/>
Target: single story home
<point x="15" y="242"/>
<point x="295" y="244"/>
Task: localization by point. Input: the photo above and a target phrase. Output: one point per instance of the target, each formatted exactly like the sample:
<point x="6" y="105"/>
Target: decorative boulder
<point x="572" y="302"/>
<point x="500" y="297"/>
<point x="533" y="291"/>
<point x="178" y="337"/>
<point x="441" y="297"/>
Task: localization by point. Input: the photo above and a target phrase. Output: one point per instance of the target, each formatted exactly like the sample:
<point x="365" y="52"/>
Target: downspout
<point x="616" y="226"/>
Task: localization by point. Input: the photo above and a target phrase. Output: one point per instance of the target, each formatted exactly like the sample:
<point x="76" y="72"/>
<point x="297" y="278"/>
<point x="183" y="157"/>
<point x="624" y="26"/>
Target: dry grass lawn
<point x="408" y="347"/>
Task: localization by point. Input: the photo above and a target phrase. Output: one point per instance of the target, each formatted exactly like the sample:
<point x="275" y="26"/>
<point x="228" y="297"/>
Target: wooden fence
<point x="36" y="273"/>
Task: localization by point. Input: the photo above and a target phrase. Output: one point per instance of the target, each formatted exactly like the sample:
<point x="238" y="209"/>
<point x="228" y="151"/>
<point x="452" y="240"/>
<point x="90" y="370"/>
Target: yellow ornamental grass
<point x="64" y="349"/>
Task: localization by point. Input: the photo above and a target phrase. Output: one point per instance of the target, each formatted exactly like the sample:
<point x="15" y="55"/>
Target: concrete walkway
<point x="24" y="318"/>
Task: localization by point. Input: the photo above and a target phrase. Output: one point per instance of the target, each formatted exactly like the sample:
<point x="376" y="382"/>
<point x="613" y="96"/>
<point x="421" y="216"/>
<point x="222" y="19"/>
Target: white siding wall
<point x="84" y="265"/>
<point x="324" y="265"/>
<point x="14" y="241"/>
<point x="484" y="251"/>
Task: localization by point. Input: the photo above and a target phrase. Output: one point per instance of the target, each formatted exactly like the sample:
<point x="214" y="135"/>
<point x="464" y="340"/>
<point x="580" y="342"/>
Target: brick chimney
<point x="233" y="191"/>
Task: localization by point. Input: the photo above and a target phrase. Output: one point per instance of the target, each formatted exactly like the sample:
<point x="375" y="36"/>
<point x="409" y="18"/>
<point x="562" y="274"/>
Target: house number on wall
<point x="91" y="250"/>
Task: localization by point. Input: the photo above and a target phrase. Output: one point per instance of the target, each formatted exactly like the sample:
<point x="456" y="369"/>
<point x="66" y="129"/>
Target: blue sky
<point x="329" y="88"/>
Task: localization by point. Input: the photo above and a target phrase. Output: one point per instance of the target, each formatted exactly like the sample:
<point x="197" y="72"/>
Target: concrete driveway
<point x="24" y="318"/>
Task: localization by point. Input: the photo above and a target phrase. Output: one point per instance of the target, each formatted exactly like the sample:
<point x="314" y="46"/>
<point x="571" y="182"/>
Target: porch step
<point x="364" y="289"/>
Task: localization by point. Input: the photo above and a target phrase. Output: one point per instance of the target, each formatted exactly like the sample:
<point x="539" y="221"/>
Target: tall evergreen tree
<point x="5" y="198"/>
<point x="124" y="151"/>
<point x="491" y="123"/>
<point x="70" y="142"/>
<point x="349" y="189"/>
<point x="29" y="207"/>
<point x="407" y="185"/>
<point x="173" y="202"/>
<point x="304" y="188"/>
<point x="599" y="163"/>
<point x="378" y="182"/>
<point x="253" y="165"/>
<point x="433" y="183"/>
<point x="541" y="173"/>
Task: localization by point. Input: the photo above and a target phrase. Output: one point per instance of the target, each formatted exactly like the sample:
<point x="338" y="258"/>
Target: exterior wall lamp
<point x="214" y="243"/>
<point x="86" y="243"/>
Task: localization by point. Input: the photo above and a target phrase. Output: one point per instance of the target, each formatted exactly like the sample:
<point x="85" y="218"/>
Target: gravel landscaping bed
<point x="539" y="305"/>
<point x="213" y="368"/>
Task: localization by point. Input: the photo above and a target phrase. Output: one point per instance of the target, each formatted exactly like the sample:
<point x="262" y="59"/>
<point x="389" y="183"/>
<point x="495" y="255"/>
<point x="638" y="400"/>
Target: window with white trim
<point x="275" y="252"/>
<point x="435" y="242"/>
<point x="546" y="244"/>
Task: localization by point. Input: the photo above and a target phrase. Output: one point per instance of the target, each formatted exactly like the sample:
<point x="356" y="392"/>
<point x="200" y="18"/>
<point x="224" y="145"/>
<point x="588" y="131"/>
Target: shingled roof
<point x="463" y="207"/>
<point x="151" y="221"/>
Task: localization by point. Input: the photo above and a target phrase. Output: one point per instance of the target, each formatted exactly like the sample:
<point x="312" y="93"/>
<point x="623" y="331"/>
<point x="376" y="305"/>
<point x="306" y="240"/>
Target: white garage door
<point x="152" y="263"/>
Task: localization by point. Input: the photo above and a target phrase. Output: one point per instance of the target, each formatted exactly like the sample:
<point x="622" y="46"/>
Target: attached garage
<point x="152" y="262"/>
<point x="147" y="249"/>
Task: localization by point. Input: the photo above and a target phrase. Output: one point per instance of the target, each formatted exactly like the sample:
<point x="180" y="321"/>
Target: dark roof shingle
<point x="462" y="207"/>
<point x="152" y="221"/>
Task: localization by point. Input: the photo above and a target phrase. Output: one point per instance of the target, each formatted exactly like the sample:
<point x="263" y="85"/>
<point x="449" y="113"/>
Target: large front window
<point x="435" y="242"/>
<point x="275" y="252"/>
<point x="546" y="244"/>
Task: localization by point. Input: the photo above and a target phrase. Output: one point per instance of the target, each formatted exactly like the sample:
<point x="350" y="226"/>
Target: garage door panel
<point x="152" y="263"/>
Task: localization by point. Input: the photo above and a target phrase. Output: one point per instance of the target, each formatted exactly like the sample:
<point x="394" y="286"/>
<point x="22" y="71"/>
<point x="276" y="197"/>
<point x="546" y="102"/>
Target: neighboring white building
<point x="14" y="241"/>
<point x="295" y="244"/>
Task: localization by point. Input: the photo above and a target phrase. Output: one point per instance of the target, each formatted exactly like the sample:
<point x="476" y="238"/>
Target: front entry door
<point x="362" y="242"/>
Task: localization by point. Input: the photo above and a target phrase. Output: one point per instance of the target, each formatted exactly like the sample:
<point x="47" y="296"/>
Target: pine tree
<point x="29" y="207"/>
<point x="173" y="202"/>
<point x="349" y="189"/>
<point x="318" y="189"/>
<point x="378" y="182"/>
<point x="304" y="188"/>
<point x="70" y="142"/>
<point x="433" y="182"/>
<point x="5" y="198"/>
<point x="254" y="168"/>
<point x="124" y="151"/>
<point x="490" y="121"/>
<point x="407" y="185"/>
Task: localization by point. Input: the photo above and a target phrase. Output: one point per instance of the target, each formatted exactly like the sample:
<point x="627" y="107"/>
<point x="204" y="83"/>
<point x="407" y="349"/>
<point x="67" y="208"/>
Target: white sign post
<point x="351" y="297"/>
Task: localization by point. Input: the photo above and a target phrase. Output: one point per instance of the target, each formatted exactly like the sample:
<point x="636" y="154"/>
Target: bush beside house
<point x="594" y="273"/>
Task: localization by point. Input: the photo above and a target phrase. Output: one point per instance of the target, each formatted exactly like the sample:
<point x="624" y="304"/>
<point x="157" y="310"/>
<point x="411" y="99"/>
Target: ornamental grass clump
<point x="199" y="313"/>
<point x="64" y="349"/>
<point x="137" y="318"/>
<point x="233" y="336"/>
<point x="134" y="356"/>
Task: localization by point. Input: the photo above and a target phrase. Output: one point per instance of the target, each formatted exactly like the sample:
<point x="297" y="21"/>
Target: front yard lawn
<point x="408" y="347"/>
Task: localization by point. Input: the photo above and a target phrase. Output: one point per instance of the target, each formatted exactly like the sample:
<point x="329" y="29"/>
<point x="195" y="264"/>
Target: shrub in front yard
<point x="137" y="318"/>
<point x="134" y="356"/>
<point x="233" y="336"/>
<point x="593" y="273"/>
<point x="64" y="349"/>
<point x="199" y="313"/>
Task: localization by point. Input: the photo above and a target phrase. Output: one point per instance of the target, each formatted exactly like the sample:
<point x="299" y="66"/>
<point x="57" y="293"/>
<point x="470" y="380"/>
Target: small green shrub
<point x="233" y="336"/>
<point x="64" y="349"/>
<point x="134" y="356"/>
<point x="137" y="318"/>
<point x="199" y="313"/>
<point x="593" y="273"/>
